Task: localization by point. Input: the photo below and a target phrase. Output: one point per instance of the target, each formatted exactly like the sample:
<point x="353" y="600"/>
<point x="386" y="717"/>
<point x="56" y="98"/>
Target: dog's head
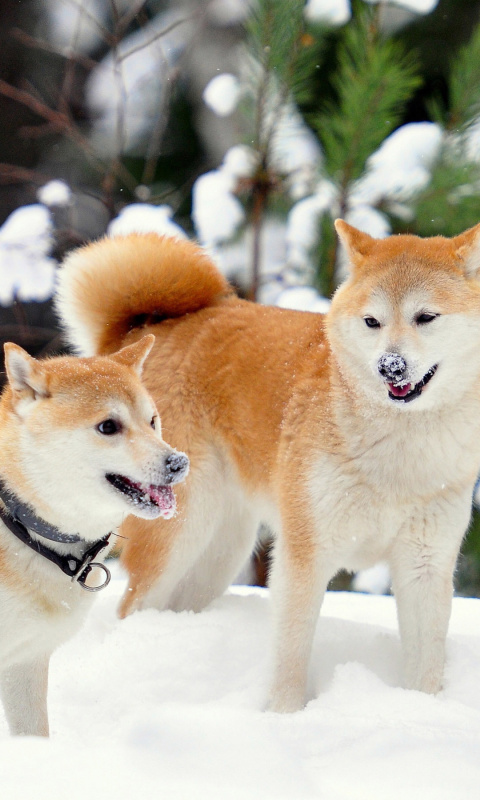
<point x="405" y="325"/>
<point x="82" y="439"/>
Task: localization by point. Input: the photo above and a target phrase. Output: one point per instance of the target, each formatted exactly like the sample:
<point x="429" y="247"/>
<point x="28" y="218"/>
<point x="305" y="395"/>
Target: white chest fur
<point x="391" y="472"/>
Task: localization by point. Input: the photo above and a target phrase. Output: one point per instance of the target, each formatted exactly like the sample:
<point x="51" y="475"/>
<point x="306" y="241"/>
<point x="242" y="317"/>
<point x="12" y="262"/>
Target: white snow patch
<point x="303" y="298"/>
<point x="74" y="24"/>
<point x="369" y="220"/>
<point x="303" y="222"/>
<point x="216" y="213"/>
<point x="55" y="193"/>
<point x="234" y="258"/>
<point x="222" y="93"/>
<point x="375" y="580"/>
<point x="132" y="94"/>
<point x="295" y="151"/>
<point x="328" y="12"/>
<point x="240" y="161"/>
<point x="145" y="218"/>
<point x="171" y="705"/>
<point x="26" y="271"/>
<point x="418" y="6"/>
<point x="402" y="164"/>
<point x="228" y="12"/>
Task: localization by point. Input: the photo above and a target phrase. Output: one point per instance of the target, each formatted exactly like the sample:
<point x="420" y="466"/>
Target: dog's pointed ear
<point x="25" y="375"/>
<point x="134" y="355"/>
<point x="357" y="243"/>
<point x="467" y="248"/>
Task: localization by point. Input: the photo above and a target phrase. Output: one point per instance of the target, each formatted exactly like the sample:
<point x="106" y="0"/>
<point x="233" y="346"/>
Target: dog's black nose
<point x="392" y="367"/>
<point x="176" y="467"/>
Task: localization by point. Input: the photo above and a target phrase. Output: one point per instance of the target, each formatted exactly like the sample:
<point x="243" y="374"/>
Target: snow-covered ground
<point x="165" y="705"/>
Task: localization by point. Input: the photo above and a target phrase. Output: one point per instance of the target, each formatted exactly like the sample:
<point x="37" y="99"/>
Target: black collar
<point x="23" y="513"/>
<point x="16" y="516"/>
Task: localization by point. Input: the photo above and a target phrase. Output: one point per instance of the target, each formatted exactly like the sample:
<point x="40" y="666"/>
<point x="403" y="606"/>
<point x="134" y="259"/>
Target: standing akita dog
<point x="354" y="435"/>
<point x="80" y="449"/>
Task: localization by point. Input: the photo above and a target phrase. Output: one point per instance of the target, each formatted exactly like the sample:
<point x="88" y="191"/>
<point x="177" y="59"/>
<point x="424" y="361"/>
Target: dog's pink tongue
<point x="164" y="498"/>
<point x="399" y="391"/>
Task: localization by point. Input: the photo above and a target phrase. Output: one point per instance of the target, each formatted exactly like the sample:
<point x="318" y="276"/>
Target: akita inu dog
<point x="355" y="435"/>
<point x="80" y="449"/>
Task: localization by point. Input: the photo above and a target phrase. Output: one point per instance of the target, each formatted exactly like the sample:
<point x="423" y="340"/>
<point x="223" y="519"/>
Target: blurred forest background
<point x="249" y="125"/>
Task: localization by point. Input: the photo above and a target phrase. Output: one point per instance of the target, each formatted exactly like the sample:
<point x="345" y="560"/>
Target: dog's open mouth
<point x="159" y="500"/>
<point x="405" y="392"/>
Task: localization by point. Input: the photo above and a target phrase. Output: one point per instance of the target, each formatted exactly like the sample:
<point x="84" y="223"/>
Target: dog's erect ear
<point x="25" y="375"/>
<point x="134" y="355"/>
<point x="467" y="246"/>
<point x="357" y="243"/>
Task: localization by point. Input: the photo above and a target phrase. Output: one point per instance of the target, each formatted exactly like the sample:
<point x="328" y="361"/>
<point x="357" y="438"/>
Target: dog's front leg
<point x="422" y="565"/>
<point x="297" y="587"/>
<point x="24" y="694"/>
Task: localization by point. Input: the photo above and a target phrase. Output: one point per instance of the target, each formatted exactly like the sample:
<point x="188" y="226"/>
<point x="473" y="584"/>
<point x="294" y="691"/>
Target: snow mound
<point x="172" y="703"/>
<point x="222" y="94"/>
<point x="26" y="271"/>
<point x="145" y="218"/>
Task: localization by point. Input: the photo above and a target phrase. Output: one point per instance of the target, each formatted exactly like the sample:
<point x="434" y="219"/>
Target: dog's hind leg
<point x="158" y="554"/>
<point x="219" y="564"/>
<point x="24" y="694"/>
<point x="148" y="557"/>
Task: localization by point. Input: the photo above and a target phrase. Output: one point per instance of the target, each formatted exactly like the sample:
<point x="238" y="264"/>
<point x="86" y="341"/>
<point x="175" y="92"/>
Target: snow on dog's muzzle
<point x="393" y="368"/>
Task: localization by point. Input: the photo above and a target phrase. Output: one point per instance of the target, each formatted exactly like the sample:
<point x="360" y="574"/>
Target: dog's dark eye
<point x="108" y="427"/>
<point x="424" y="319"/>
<point x="152" y="422"/>
<point x="371" y="322"/>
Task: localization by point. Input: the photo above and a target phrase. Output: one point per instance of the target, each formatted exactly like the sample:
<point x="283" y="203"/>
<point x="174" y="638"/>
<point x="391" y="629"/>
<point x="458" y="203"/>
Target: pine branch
<point x="274" y="39"/>
<point x="274" y="31"/>
<point x="450" y="202"/>
<point x="374" y="80"/>
<point x="464" y="85"/>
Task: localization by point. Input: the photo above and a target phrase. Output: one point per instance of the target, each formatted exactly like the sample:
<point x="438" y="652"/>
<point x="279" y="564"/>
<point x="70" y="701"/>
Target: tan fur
<point x="286" y="420"/>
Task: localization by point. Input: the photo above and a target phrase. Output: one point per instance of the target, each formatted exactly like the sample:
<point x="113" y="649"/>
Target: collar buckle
<point x="87" y="564"/>
<point x="84" y="572"/>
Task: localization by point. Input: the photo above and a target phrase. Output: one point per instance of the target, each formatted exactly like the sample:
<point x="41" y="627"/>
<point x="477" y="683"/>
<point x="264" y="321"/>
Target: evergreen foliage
<point x="450" y="203"/>
<point x="374" y="79"/>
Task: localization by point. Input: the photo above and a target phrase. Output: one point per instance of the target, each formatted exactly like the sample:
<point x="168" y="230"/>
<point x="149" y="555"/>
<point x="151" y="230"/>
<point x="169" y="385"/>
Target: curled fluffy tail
<point x="110" y="286"/>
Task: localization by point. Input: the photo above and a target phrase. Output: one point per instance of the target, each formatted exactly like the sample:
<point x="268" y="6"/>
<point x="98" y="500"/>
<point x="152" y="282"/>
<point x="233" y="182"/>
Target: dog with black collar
<point x="80" y="449"/>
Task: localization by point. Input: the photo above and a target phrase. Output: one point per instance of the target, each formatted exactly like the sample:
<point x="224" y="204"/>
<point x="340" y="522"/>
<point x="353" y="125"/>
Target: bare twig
<point x="69" y="72"/>
<point x="120" y="130"/>
<point x="153" y="148"/>
<point x="10" y="174"/>
<point x="62" y="52"/>
<point x="57" y="118"/>
<point x="156" y="36"/>
<point x="126" y="20"/>
<point x="60" y="122"/>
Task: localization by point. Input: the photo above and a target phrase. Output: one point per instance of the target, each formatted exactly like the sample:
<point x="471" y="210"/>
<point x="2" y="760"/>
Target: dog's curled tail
<point x="115" y="284"/>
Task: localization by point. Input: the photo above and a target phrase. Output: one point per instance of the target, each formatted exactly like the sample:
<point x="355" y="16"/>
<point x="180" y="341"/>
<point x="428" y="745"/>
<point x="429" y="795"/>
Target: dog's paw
<point x="430" y="683"/>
